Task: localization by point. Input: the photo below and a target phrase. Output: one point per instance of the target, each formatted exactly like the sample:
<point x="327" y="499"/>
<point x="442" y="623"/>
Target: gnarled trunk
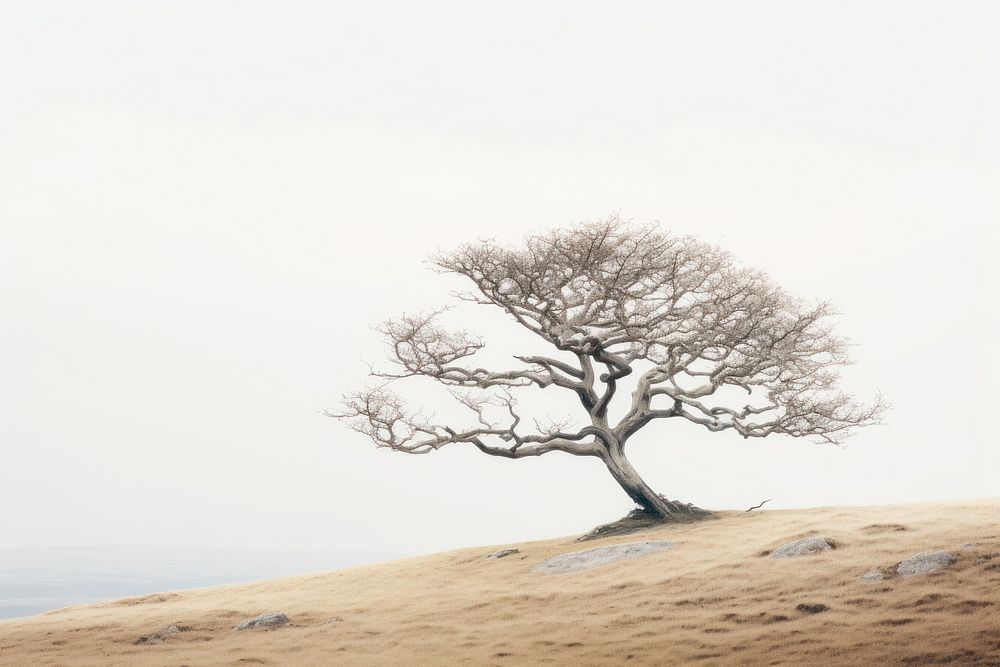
<point x="640" y="492"/>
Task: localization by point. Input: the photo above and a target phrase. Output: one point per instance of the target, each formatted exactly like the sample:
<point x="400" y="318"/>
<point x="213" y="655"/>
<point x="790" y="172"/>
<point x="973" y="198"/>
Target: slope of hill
<point x="37" y="579"/>
<point x="714" y="598"/>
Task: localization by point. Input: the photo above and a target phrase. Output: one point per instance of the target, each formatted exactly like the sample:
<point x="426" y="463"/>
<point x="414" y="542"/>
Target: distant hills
<point x="38" y="579"/>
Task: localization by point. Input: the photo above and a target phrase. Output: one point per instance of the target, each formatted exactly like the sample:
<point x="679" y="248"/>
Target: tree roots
<point x="640" y="519"/>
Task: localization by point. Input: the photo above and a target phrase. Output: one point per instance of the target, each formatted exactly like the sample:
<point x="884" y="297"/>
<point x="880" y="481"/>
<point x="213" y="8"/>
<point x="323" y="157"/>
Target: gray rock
<point x="924" y="563"/>
<point x="502" y="553"/>
<point x="264" y="622"/>
<point x="873" y="575"/>
<point x="584" y="560"/>
<point x="805" y="547"/>
<point x="158" y="636"/>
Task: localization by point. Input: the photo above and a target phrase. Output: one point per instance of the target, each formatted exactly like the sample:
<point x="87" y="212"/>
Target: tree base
<point x="640" y="519"/>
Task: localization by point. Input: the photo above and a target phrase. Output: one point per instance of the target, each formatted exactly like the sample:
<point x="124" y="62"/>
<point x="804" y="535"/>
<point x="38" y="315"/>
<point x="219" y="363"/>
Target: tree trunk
<point x="649" y="500"/>
<point x="635" y="487"/>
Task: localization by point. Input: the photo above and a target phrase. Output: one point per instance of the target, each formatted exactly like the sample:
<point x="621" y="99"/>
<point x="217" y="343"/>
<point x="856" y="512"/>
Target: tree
<point x="615" y="300"/>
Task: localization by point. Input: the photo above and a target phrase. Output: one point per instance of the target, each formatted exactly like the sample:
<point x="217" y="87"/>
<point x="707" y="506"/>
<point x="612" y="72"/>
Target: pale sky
<point x="205" y="206"/>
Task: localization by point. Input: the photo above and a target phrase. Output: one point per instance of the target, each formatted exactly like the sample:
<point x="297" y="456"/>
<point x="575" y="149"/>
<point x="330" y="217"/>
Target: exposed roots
<point x="640" y="519"/>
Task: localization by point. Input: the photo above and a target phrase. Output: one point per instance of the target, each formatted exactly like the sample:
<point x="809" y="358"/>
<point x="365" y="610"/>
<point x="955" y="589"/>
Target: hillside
<point x="35" y="580"/>
<point x="713" y="598"/>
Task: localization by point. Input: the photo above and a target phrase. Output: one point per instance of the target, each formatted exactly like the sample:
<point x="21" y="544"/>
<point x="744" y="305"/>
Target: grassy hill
<point x="715" y="598"/>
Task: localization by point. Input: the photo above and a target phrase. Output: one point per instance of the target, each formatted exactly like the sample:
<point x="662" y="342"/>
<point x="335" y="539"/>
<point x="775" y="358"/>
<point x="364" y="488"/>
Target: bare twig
<point x="758" y="506"/>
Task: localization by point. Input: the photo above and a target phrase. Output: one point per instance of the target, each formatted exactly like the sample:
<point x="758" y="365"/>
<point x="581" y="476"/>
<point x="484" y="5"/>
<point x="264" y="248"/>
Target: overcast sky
<point x="204" y="206"/>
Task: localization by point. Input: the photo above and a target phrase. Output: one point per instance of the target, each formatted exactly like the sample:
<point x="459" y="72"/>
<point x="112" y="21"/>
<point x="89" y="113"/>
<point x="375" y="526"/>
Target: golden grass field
<point x="714" y="599"/>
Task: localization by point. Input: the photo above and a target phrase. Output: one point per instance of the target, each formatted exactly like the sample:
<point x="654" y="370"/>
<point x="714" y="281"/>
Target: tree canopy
<point x="614" y="299"/>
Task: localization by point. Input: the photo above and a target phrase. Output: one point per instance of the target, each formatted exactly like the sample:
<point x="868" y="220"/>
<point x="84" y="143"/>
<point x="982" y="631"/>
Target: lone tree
<point x="615" y="300"/>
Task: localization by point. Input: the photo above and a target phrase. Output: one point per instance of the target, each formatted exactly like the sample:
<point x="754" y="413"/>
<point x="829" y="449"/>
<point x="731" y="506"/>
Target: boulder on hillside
<point x="804" y="547"/>
<point x="264" y="622"/>
<point x="924" y="563"/>
<point x="160" y="635"/>
<point x="502" y="553"/>
<point x="584" y="560"/>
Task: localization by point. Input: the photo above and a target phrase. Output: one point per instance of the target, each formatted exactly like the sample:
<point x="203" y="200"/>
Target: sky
<point x="206" y="206"/>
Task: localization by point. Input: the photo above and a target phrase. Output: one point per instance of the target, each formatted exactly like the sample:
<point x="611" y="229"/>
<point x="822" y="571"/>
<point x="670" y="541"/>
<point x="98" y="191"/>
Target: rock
<point x="810" y="545"/>
<point x="873" y="575"/>
<point x="924" y="563"/>
<point x="264" y="622"/>
<point x="502" y="553"/>
<point x="160" y="635"/>
<point x="584" y="560"/>
<point x="812" y="608"/>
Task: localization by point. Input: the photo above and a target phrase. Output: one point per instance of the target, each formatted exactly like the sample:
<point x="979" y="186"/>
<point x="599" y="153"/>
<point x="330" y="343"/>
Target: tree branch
<point x="380" y="415"/>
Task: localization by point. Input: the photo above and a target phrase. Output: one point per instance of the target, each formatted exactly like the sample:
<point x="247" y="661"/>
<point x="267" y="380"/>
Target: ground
<point x="713" y="599"/>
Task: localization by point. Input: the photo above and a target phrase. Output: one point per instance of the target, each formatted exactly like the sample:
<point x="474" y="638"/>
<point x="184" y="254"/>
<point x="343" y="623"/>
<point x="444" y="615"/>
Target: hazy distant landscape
<point x="35" y="580"/>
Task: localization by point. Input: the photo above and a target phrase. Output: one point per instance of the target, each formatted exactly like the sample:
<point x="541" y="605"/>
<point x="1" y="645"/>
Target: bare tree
<point x="615" y="299"/>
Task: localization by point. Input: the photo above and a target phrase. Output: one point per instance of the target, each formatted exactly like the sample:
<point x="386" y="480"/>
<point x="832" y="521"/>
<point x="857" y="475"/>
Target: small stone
<point x="160" y="635"/>
<point x="502" y="553"/>
<point x="873" y="575"/>
<point x="805" y="547"/>
<point x="812" y="608"/>
<point x="264" y="622"/>
<point x="924" y="563"/>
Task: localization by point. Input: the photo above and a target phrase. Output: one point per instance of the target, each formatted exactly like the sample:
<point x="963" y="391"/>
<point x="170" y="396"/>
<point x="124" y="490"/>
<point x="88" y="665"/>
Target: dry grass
<point x="714" y="599"/>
